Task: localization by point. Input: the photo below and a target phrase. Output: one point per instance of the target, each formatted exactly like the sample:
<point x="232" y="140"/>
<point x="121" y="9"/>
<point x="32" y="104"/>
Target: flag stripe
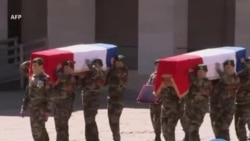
<point x="112" y="51"/>
<point x="83" y="52"/>
<point x="178" y="66"/>
<point x="212" y="56"/>
<point x="240" y="53"/>
<point x="78" y="53"/>
<point x="51" y="59"/>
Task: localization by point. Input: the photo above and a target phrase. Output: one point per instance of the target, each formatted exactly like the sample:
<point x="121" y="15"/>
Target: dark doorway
<point x="117" y="23"/>
<point x="211" y="23"/>
<point x="14" y="25"/>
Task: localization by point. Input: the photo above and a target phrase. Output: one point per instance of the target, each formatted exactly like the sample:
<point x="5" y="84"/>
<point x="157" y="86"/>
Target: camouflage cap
<point x="69" y="63"/>
<point x="119" y="57"/>
<point x="247" y="59"/>
<point x="156" y="61"/>
<point x="98" y="61"/>
<point x="38" y="60"/>
<point x="201" y="67"/>
<point x="229" y="62"/>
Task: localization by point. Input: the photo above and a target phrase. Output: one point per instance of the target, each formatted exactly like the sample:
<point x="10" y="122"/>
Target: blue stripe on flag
<point x="240" y="53"/>
<point x="112" y="51"/>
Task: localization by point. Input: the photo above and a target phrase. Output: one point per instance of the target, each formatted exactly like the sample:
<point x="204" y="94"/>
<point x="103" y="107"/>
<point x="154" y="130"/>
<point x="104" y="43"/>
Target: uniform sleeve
<point x="192" y="76"/>
<point x="220" y="72"/>
<point x="124" y="76"/>
<point x="24" y="68"/>
<point x="26" y="99"/>
<point x="101" y="79"/>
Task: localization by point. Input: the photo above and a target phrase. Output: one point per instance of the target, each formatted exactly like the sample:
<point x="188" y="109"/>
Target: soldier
<point x="24" y="68"/>
<point x="242" y="112"/>
<point x="197" y="101"/>
<point x="63" y="98"/>
<point x="171" y="108"/>
<point x="155" y="108"/>
<point x="116" y="79"/>
<point x="39" y="88"/>
<point x="92" y="84"/>
<point x="222" y="99"/>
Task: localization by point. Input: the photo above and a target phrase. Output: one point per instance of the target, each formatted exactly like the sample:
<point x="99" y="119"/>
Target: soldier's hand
<point x="190" y="70"/>
<point x="217" y="65"/>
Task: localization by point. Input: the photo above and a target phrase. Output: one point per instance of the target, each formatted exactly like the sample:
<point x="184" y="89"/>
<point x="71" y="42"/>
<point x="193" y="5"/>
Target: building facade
<point x="144" y="30"/>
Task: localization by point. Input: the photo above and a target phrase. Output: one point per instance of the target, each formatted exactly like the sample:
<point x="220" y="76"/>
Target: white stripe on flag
<point x="83" y="52"/>
<point x="212" y="56"/>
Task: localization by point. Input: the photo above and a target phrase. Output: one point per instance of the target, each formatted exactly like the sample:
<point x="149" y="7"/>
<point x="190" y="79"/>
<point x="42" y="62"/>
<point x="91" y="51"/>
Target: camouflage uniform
<point x="196" y="104"/>
<point x="242" y="112"/>
<point x="222" y="105"/>
<point x="24" y="68"/>
<point x="92" y="84"/>
<point x="63" y="99"/>
<point x="171" y="112"/>
<point x="116" y="79"/>
<point x="155" y="112"/>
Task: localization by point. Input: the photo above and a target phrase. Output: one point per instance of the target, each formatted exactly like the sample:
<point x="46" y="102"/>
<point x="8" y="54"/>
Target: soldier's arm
<point x="219" y="71"/>
<point x="24" y="68"/>
<point x="26" y="99"/>
<point x="124" y="77"/>
<point x="192" y="76"/>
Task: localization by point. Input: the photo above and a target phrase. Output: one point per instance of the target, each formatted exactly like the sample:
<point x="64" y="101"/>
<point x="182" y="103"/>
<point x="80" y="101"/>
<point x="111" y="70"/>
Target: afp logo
<point x="15" y="17"/>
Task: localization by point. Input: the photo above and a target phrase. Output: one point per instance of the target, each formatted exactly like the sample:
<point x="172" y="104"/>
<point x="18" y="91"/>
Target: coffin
<point x="178" y="66"/>
<point x="78" y="54"/>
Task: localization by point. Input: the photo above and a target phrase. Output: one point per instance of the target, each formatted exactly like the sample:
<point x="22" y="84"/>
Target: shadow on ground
<point x="11" y="99"/>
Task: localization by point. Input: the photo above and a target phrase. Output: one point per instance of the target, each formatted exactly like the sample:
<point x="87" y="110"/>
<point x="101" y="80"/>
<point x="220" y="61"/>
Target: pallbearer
<point x="155" y="108"/>
<point x="63" y="98"/>
<point x="196" y="102"/>
<point x="171" y="107"/>
<point x="92" y="83"/>
<point x="222" y="100"/>
<point x="117" y="78"/>
<point x="242" y="113"/>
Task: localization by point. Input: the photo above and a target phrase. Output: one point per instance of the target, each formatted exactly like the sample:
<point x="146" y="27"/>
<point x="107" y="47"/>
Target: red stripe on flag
<point x="51" y="59"/>
<point x="178" y="67"/>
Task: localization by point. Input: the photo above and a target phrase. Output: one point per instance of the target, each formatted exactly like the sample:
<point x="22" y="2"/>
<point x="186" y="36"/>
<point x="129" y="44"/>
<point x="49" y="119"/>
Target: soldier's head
<point x="68" y="66"/>
<point x="97" y="63"/>
<point x="247" y="61"/>
<point x="156" y="64"/>
<point x="201" y="70"/>
<point x="37" y="65"/>
<point x="229" y="66"/>
<point x="118" y="60"/>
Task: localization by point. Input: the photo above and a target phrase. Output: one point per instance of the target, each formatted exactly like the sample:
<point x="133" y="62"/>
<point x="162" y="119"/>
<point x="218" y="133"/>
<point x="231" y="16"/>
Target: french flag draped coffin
<point x="78" y="54"/>
<point x="178" y="66"/>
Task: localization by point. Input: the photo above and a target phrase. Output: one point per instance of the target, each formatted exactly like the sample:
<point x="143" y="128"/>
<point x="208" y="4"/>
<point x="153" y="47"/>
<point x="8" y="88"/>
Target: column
<point x="71" y="22"/>
<point x="34" y="20"/>
<point x="180" y="26"/>
<point x="156" y="32"/>
<point x="242" y="30"/>
<point x="3" y="19"/>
